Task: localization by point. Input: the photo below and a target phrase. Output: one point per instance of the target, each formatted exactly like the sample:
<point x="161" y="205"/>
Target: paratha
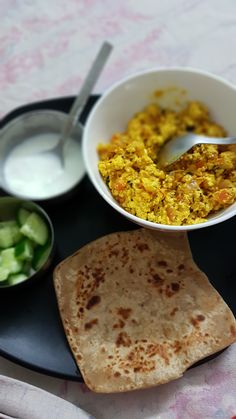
<point x="137" y="311"/>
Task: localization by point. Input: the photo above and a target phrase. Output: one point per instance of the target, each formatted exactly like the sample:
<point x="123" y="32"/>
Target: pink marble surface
<point x="46" y="47"/>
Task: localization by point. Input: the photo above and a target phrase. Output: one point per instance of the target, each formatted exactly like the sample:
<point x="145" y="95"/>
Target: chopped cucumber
<point x="9" y="234"/>
<point x="16" y="278"/>
<point x="24" y="250"/>
<point x="35" y="229"/>
<point x="26" y="268"/>
<point x="24" y="246"/>
<point x="40" y="256"/>
<point x="4" y="273"/>
<point x="22" y="216"/>
<point x="9" y="261"/>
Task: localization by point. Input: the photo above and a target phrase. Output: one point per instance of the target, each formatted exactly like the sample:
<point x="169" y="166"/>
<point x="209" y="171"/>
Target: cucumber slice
<point x="40" y="256"/>
<point x="9" y="261"/>
<point x="22" y="216"/>
<point x="9" y="234"/>
<point x="4" y="272"/>
<point x="16" y="278"/>
<point x="24" y="250"/>
<point x="26" y="268"/>
<point x="35" y="229"/>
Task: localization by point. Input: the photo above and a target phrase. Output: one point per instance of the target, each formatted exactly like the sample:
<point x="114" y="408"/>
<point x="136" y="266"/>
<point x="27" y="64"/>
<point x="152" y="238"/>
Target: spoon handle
<point x="214" y="140"/>
<point x="86" y="89"/>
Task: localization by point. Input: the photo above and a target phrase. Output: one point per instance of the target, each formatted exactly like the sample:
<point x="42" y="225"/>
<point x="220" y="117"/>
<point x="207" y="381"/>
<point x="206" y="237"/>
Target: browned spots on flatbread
<point x="117" y="374"/>
<point x="169" y="271"/>
<point x="233" y="330"/>
<point x="162" y="263"/>
<point x="172" y="289"/>
<point x="113" y="252"/>
<point x="155" y="279"/>
<point x="119" y="325"/>
<point x="124" y="256"/>
<point x="98" y="276"/>
<point x="177" y="346"/>
<point x="87" y="271"/>
<point x="138" y="363"/>
<point x="90" y="324"/>
<point x="124" y="312"/>
<point x="181" y="267"/>
<point x="93" y="301"/>
<point x="142" y="246"/>
<point x="195" y="321"/>
<point x="68" y="331"/>
<point x="175" y="286"/>
<point x="123" y="339"/>
<point x="172" y="313"/>
<point x="131" y="271"/>
<point x="157" y="349"/>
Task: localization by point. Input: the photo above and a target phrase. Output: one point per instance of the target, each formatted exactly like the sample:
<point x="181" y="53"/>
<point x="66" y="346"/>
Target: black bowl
<point x="8" y="209"/>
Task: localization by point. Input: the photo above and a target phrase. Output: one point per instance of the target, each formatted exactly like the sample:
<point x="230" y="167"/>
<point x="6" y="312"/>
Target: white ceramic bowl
<point x="112" y="112"/>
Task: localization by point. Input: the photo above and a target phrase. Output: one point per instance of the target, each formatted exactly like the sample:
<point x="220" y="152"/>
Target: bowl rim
<point x="107" y="196"/>
<point x="41" y="211"/>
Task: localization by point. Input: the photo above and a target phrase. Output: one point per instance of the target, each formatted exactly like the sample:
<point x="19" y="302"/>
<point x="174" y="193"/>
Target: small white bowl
<point x="112" y="112"/>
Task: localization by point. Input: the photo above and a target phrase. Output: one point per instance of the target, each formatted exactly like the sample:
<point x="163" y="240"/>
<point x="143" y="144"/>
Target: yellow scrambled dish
<point x="200" y="183"/>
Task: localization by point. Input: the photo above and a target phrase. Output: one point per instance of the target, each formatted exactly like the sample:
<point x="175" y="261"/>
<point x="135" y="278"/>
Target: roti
<point x="137" y="311"/>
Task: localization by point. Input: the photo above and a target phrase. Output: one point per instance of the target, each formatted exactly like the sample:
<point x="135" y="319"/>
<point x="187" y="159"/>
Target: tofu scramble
<point x="198" y="184"/>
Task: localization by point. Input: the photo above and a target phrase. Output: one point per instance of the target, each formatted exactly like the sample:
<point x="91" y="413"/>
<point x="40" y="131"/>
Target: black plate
<point x="31" y="332"/>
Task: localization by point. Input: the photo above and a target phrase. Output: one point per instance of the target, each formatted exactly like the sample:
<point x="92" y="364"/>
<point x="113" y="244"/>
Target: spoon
<point x="178" y="146"/>
<point x="81" y="100"/>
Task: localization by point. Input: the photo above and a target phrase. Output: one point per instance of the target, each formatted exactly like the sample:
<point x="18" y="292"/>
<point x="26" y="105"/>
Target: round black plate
<point x="31" y="333"/>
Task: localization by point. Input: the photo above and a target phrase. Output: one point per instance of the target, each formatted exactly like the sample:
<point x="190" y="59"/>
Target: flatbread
<point x="137" y="311"/>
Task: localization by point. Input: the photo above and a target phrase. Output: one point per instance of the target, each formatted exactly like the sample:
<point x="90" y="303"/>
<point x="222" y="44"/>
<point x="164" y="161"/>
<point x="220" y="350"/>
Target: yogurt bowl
<point x="129" y="96"/>
<point x="28" y="169"/>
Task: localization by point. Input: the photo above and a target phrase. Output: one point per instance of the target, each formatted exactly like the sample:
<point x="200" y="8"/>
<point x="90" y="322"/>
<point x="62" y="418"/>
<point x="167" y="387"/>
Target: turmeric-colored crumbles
<point x="201" y="182"/>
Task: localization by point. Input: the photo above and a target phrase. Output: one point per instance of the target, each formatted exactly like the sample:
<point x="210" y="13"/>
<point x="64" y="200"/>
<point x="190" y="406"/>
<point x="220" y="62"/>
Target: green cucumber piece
<point x="24" y="250"/>
<point x="9" y="234"/>
<point x="22" y="216"/>
<point x="9" y="261"/>
<point x="36" y="229"/>
<point x="4" y="273"/>
<point x="40" y="256"/>
<point x="26" y="268"/>
<point x="16" y="278"/>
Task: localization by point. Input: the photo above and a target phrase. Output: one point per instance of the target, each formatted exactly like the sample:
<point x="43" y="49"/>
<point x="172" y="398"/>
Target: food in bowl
<point x="202" y="182"/>
<point x="25" y="244"/>
<point x="137" y="311"/>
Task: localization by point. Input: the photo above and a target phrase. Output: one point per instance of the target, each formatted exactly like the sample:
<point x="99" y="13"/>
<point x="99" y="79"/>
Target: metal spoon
<point x="81" y="100"/>
<point x="178" y="146"/>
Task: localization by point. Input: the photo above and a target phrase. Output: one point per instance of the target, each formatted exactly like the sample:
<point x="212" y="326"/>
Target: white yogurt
<point x="31" y="174"/>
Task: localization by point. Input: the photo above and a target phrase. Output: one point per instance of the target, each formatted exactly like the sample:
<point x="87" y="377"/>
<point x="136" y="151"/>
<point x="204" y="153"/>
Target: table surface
<point x="45" y="51"/>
